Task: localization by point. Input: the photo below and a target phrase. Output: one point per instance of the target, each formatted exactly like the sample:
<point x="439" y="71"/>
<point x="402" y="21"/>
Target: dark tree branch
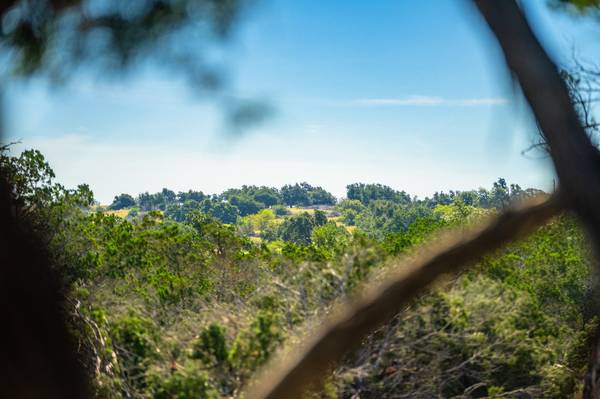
<point x="575" y="158"/>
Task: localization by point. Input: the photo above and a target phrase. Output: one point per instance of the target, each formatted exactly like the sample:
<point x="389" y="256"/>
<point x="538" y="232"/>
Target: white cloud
<point x="413" y="100"/>
<point x="418" y="101"/>
<point x="478" y="101"/>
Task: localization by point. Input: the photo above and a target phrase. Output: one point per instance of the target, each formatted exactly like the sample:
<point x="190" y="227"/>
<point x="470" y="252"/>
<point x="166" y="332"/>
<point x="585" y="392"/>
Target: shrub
<point x="281" y="210"/>
<point x="253" y="347"/>
<point x="133" y="341"/>
<point x="211" y="346"/>
<point x="185" y="383"/>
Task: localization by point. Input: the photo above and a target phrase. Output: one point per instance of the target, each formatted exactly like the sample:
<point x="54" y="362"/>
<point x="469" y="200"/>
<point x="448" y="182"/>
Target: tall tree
<point x="122" y="201"/>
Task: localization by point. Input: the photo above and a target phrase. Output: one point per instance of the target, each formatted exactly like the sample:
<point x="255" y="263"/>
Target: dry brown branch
<point x="354" y="322"/>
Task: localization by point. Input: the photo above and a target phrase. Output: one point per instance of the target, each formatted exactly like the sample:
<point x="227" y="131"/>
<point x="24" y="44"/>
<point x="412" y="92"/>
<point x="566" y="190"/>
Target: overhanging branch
<point x="353" y="323"/>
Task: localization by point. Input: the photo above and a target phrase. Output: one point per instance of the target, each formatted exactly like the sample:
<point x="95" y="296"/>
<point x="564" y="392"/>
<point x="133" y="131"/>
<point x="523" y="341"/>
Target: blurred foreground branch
<point x="348" y="329"/>
<point x="576" y="159"/>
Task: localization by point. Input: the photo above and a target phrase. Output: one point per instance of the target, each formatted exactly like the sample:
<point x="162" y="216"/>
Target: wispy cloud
<point x="419" y="101"/>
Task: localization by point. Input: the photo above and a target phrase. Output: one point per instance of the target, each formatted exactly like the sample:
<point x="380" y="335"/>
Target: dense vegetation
<point x="188" y="295"/>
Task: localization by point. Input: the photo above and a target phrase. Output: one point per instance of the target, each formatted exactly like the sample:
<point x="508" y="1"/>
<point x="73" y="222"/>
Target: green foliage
<point x="281" y="210"/>
<point x="501" y="195"/>
<point x="318" y="196"/>
<point x="223" y="211"/>
<point x="350" y="209"/>
<point x="30" y="175"/>
<point x="331" y="239"/>
<point x="551" y="266"/>
<point x="261" y="197"/>
<point x="211" y="346"/>
<point x="132" y="334"/>
<point x="230" y="204"/>
<point x="267" y="196"/>
<point x="132" y="337"/>
<point x="262" y="224"/>
<point x="188" y="382"/>
<point x="221" y="239"/>
<point x="366" y="193"/>
<point x="31" y="178"/>
<point x="245" y="205"/>
<point x="122" y="201"/>
<point x="511" y="326"/>
<point x="382" y="217"/>
<point x="180" y="212"/>
<point x="303" y="194"/>
<point x="253" y="347"/>
<point x="295" y="195"/>
<point x="458" y="213"/>
<point x="298" y="229"/>
<point x="320" y="217"/>
<point x="417" y="233"/>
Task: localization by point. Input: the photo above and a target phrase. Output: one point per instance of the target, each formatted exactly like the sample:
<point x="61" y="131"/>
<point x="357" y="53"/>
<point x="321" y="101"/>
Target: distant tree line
<point x="227" y="206"/>
<point x="379" y="210"/>
<point x="499" y="196"/>
<point x="373" y="208"/>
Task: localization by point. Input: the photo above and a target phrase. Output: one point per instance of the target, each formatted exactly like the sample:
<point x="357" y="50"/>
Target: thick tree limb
<point x="354" y="323"/>
<point x="576" y="160"/>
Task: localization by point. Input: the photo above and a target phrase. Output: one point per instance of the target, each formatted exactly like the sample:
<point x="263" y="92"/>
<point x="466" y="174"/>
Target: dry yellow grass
<point x="122" y="213"/>
<point x="296" y="211"/>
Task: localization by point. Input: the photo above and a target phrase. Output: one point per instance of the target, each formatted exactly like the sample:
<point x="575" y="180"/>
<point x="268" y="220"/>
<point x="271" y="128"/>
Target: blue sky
<point x="412" y="94"/>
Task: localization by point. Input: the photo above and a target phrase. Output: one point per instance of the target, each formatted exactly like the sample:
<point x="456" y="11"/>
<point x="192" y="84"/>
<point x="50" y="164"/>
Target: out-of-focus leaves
<point x="579" y="6"/>
<point x="242" y="114"/>
<point x="53" y="36"/>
